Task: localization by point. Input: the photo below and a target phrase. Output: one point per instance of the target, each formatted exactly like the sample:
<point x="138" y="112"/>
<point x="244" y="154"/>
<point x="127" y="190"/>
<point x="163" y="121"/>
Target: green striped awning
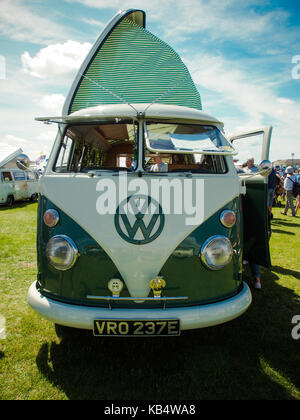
<point x="134" y="66"/>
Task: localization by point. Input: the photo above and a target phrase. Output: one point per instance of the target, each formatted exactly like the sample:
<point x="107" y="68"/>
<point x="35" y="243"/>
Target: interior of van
<point x="113" y="147"/>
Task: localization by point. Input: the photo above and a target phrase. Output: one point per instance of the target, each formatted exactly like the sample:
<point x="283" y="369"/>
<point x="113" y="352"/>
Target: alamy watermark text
<point x="296" y="68"/>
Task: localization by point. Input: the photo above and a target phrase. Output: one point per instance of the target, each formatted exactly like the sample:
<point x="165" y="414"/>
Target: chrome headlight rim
<point x="209" y="242"/>
<point x="73" y="248"/>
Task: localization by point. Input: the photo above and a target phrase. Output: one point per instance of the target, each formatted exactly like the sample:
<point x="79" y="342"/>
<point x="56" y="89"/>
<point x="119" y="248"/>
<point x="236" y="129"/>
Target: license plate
<point x="136" y="328"/>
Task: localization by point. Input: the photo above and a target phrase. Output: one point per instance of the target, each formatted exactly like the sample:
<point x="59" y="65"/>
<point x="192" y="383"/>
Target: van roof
<point x="7" y="154"/>
<point x="133" y="111"/>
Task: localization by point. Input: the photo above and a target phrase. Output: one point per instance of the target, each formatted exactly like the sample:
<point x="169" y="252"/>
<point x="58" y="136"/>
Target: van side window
<point x="19" y="176"/>
<point x="64" y="155"/>
<point x="110" y="146"/>
<point x="6" y="177"/>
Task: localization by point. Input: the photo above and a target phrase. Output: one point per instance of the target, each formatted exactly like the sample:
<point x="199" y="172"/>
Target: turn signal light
<point x="51" y="218"/>
<point x="228" y="218"/>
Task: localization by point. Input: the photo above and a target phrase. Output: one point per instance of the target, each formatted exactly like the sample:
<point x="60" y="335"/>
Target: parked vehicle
<point x="17" y="185"/>
<point x="143" y="219"/>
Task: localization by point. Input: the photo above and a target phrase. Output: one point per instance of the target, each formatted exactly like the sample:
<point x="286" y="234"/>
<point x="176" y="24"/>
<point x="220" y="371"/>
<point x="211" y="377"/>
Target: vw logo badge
<point x="139" y="219"/>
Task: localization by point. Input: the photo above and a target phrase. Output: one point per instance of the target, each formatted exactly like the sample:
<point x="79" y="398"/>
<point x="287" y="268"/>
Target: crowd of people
<point x="288" y="182"/>
<point x="288" y="178"/>
<point x="291" y="180"/>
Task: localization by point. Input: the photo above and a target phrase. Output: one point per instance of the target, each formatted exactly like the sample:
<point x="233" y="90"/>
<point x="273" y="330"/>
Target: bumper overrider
<point x="191" y="317"/>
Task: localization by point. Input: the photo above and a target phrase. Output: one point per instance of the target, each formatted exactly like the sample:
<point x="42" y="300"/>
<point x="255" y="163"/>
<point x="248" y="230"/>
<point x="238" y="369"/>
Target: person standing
<point x="288" y="186"/>
<point x="255" y="270"/>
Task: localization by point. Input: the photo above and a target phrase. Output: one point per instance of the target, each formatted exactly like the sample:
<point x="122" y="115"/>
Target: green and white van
<point x="143" y="220"/>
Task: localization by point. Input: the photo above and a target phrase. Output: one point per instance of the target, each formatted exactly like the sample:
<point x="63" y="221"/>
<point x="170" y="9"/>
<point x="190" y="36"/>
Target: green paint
<point x="148" y="232"/>
<point x="183" y="271"/>
<point x="255" y="212"/>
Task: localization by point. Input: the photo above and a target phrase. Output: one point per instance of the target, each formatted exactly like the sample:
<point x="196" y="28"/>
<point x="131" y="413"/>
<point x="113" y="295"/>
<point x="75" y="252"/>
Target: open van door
<point x="256" y="221"/>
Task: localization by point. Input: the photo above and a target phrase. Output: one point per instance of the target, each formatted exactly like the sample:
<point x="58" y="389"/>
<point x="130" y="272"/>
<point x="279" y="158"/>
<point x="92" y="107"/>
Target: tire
<point x="34" y="198"/>
<point x="10" y="201"/>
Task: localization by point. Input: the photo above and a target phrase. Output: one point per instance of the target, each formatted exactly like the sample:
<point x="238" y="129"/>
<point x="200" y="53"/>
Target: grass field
<point x="253" y="357"/>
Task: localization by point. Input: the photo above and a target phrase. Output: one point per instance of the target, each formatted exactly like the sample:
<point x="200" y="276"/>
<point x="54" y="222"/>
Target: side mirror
<point x="265" y="168"/>
<point x="23" y="162"/>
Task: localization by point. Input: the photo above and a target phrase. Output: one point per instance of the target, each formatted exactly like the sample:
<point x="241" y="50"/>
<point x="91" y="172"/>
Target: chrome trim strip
<point x="156" y="299"/>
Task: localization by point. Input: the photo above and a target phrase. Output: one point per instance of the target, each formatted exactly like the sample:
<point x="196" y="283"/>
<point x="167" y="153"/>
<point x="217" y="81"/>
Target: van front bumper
<point x="191" y="317"/>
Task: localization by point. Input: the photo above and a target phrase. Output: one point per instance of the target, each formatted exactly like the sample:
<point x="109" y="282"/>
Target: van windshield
<point x="184" y="147"/>
<point x="110" y="146"/>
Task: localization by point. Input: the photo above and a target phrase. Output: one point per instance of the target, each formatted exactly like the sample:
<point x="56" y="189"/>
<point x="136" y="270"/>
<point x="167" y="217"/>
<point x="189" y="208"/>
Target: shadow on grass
<point x="280" y="222"/>
<point x="283" y="231"/>
<point x="2" y="355"/>
<point x="253" y="357"/>
<point x="286" y="272"/>
<point x="17" y="205"/>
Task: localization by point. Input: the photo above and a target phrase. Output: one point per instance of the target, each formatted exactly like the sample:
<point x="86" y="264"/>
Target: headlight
<point x="62" y="252"/>
<point x="216" y="252"/>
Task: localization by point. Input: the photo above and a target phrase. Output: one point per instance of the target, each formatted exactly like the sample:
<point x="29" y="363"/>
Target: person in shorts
<point x="288" y="186"/>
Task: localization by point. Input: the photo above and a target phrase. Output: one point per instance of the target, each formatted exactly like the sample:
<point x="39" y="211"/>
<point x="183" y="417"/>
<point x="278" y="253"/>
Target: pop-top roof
<point x="128" y="64"/>
<point x="8" y="153"/>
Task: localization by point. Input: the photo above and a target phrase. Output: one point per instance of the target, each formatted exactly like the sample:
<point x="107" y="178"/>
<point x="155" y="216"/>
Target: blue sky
<point x="243" y="57"/>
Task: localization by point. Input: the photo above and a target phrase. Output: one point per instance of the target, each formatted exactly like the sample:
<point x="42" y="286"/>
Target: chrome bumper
<point x="191" y="317"/>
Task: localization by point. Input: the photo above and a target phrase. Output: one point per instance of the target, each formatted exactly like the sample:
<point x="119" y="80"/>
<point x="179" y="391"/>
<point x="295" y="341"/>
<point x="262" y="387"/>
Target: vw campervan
<point x="16" y="182"/>
<point x="143" y="220"/>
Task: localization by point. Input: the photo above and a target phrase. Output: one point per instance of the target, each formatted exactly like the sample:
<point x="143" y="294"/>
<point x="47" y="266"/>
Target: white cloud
<point x="52" y="103"/>
<point x="250" y="102"/>
<point x="20" y="23"/>
<point x="56" y="59"/>
<point x="94" y="22"/>
<point x="222" y="20"/>
<point x="252" y="95"/>
<point x="13" y="141"/>
<point x="286" y="101"/>
<point x="45" y="140"/>
<point x="33" y="147"/>
<point x="23" y="99"/>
